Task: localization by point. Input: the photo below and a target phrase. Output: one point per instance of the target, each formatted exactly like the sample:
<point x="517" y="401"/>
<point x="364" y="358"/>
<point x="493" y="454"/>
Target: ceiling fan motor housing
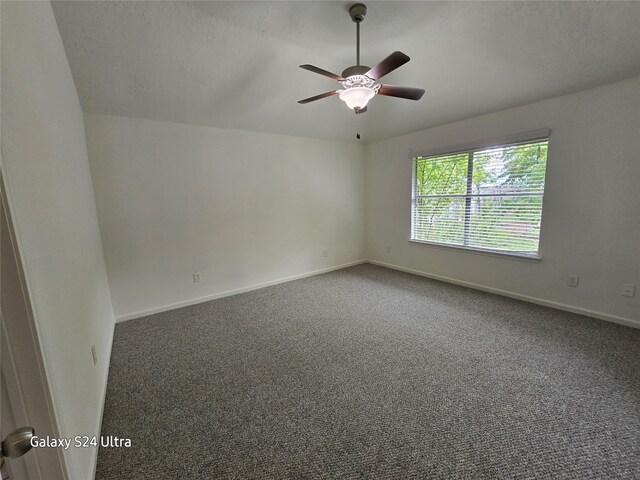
<point x="355" y="70"/>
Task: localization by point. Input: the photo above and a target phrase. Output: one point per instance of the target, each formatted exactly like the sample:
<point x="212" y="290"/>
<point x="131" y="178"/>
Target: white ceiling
<point x="235" y="64"/>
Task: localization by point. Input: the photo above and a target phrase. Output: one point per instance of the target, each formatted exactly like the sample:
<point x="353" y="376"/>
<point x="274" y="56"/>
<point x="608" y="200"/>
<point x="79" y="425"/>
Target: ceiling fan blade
<point x="389" y="64"/>
<point x="318" y="97"/>
<point x="401" y="92"/>
<point x="360" y="110"/>
<point x="311" y="68"/>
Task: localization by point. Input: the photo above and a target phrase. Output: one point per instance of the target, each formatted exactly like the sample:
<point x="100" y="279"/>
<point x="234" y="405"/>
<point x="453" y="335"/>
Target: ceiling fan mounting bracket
<point x="358" y="12"/>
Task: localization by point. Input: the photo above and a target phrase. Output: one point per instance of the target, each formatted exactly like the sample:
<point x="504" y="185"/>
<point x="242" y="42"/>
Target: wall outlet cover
<point x="628" y="289"/>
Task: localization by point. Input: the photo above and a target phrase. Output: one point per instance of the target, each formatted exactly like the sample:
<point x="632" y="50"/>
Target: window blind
<point x="485" y="199"/>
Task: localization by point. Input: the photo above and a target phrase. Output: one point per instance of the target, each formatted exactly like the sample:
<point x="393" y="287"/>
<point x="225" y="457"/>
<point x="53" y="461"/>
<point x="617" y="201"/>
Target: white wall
<point x="591" y="216"/>
<point x="50" y="195"/>
<point x="241" y="208"/>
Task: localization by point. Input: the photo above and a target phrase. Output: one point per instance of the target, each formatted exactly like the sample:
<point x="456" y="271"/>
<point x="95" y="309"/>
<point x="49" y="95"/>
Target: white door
<point x="14" y="468"/>
<point x="25" y="395"/>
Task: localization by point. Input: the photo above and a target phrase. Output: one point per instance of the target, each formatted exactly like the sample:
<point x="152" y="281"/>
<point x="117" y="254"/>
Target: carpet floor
<point x="372" y="373"/>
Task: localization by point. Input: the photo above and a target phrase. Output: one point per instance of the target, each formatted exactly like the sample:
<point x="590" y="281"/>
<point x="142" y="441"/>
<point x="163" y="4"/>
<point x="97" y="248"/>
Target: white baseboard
<point x="526" y="298"/>
<point x="506" y="293"/>
<point x="228" y="293"/>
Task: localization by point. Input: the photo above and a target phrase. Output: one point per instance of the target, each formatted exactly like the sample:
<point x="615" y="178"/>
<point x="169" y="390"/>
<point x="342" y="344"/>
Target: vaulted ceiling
<point x="235" y="64"/>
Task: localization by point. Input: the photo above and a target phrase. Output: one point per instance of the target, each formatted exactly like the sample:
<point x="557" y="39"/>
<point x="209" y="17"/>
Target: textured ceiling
<point x="235" y="64"/>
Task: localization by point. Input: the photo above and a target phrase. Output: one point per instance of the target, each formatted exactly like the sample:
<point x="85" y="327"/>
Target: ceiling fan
<point x="359" y="82"/>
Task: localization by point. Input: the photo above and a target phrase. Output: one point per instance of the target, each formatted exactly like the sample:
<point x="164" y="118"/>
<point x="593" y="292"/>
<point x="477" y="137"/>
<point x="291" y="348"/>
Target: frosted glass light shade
<point x="356" y="97"/>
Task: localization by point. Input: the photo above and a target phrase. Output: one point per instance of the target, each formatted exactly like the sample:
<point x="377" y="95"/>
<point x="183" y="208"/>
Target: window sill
<point x="478" y="251"/>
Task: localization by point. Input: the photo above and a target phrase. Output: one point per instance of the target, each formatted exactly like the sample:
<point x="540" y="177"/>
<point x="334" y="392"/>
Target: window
<point x="487" y="198"/>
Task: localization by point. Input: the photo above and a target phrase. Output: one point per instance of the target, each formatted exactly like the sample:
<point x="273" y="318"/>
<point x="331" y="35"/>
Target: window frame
<point x="469" y="149"/>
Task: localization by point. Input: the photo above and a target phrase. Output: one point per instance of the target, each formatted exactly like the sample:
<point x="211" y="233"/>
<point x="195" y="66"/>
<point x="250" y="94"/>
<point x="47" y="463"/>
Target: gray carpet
<point x="371" y="373"/>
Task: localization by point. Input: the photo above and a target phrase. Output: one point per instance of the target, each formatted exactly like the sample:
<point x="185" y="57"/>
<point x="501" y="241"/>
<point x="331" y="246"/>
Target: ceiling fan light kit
<point x="359" y="82"/>
<point x="358" y="90"/>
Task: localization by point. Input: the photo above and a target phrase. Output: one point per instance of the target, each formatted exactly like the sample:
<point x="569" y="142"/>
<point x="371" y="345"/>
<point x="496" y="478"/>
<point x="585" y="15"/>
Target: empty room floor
<point x="367" y="372"/>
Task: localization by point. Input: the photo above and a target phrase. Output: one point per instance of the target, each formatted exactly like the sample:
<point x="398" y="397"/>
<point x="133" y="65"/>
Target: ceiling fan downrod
<point x="358" y="12"/>
<point x="358" y="44"/>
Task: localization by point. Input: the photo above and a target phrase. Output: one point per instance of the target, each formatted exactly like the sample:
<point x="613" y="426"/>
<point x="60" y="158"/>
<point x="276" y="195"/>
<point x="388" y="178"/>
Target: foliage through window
<point x="484" y="199"/>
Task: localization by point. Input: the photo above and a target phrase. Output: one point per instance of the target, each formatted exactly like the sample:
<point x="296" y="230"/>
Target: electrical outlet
<point x="628" y="290"/>
<point x="388" y="249"/>
<point x="94" y="354"/>
<point x="196" y="277"/>
<point x="324" y="253"/>
<point x="572" y="281"/>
